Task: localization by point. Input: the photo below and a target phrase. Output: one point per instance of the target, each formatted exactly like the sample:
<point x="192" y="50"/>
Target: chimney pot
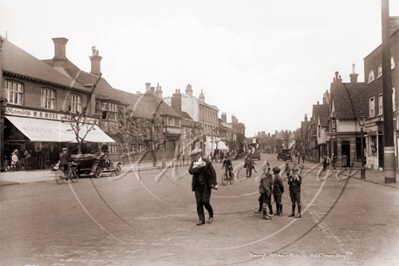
<point x="59" y="50"/>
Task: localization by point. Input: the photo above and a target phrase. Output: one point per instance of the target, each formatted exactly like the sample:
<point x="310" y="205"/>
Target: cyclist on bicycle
<point x="228" y="166"/>
<point x="63" y="162"/>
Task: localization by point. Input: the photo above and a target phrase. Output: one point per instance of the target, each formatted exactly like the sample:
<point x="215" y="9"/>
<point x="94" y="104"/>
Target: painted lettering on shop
<point x="35" y="114"/>
<point x="37" y="129"/>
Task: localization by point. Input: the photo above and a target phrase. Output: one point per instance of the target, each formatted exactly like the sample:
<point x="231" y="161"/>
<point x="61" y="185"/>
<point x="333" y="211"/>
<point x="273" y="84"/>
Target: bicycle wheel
<point x="224" y="179"/>
<point x="74" y="175"/>
<point x="231" y="178"/>
<point x="59" y="177"/>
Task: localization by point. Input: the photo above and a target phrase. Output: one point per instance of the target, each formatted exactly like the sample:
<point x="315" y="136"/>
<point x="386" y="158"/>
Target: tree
<point x="196" y="134"/>
<point x="80" y="124"/>
<point x="135" y="132"/>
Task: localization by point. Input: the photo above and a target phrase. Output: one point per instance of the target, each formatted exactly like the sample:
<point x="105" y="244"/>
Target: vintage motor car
<point x="285" y="155"/>
<point x="95" y="164"/>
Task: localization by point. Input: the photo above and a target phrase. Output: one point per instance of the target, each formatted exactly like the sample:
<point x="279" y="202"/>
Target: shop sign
<point x="33" y="113"/>
<point x="333" y="124"/>
<point x="44" y="115"/>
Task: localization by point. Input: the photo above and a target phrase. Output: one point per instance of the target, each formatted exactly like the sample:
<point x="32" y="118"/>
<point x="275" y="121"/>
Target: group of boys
<point x="274" y="186"/>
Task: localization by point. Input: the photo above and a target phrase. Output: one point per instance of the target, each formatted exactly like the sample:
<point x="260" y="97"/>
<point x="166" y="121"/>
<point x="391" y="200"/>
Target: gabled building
<point x="35" y="99"/>
<point x="347" y="104"/>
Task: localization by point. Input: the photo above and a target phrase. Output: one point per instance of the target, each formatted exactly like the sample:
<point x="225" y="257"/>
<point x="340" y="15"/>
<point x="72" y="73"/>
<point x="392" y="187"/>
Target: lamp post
<point x="362" y="120"/>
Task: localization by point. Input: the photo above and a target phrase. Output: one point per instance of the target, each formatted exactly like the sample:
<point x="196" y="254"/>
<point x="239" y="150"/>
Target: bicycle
<point x="71" y="174"/>
<point x="226" y="179"/>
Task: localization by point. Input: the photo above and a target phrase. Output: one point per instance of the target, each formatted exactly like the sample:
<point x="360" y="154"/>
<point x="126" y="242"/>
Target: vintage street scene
<point x="199" y="132"/>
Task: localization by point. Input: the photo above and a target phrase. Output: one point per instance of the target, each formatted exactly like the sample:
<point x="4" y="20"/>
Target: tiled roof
<point x="348" y="99"/>
<point x="17" y="61"/>
<point x="145" y="105"/>
<point x="321" y="111"/>
<point x="103" y="89"/>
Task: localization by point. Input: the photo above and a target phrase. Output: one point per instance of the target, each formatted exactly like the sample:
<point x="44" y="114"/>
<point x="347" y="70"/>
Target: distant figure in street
<point x="333" y="160"/>
<point x="344" y="161"/>
<point x="64" y="160"/>
<point x="295" y="181"/>
<point x="204" y="179"/>
<point x="324" y="163"/>
<point x="303" y="158"/>
<point x="278" y="190"/>
<point x="287" y="170"/>
<point x="249" y="165"/>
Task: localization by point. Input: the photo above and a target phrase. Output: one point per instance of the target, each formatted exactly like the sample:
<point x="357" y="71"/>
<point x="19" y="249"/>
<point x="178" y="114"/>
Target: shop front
<point x="40" y="136"/>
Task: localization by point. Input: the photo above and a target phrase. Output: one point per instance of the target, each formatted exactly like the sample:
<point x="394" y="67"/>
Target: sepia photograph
<point x="199" y="133"/>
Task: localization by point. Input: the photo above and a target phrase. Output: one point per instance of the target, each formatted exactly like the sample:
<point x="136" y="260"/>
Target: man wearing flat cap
<point x="204" y="179"/>
<point x="295" y="181"/>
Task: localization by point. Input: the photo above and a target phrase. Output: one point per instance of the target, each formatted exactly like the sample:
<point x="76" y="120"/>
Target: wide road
<point x="149" y="218"/>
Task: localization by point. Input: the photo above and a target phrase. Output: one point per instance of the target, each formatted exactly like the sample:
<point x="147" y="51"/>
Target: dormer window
<point x="371" y="76"/>
<point x="379" y="70"/>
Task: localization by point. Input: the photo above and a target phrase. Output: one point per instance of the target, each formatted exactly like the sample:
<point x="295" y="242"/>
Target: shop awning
<point x="40" y="130"/>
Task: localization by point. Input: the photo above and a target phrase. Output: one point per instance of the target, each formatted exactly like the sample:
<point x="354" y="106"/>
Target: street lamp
<point x="362" y="121"/>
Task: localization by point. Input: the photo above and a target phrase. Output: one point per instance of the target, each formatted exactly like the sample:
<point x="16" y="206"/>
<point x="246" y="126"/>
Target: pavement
<point x="34" y="176"/>
<point x="44" y="175"/>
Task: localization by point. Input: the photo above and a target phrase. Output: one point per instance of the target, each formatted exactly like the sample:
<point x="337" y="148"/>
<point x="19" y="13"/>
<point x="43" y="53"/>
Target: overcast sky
<point x="265" y="61"/>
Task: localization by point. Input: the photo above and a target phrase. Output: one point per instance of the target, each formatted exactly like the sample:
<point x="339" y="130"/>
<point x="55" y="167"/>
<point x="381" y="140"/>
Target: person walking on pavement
<point x="303" y="157"/>
<point x="295" y="181"/>
<point x="249" y="165"/>
<point x="204" y="179"/>
<point x="278" y="190"/>
<point x="344" y="161"/>
<point x="265" y="190"/>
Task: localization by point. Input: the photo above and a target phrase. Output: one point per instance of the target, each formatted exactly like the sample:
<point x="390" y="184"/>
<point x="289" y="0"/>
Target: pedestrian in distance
<point x="344" y="161"/>
<point x="295" y="181"/>
<point x="287" y="170"/>
<point x="248" y="165"/>
<point x="265" y="190"/>
<point x="333" y="161"/>
<point x="278" y="190"/>
<point x="324" y="163"/>
<point x="204" y="179"/>
<point x="63" y="162"/>
<point x="14" y="161"/>
<point x="303" y="158"/>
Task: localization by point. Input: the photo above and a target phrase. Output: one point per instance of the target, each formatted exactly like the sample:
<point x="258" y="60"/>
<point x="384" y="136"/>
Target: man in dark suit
<point x="249" y="164"/>
<point x="204" y="179"/>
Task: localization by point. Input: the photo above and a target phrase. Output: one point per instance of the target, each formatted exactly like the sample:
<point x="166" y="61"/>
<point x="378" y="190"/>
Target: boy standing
<point x="265" y="190"/>
<point x="295" y="181"/>
<point x="278" y="190"/>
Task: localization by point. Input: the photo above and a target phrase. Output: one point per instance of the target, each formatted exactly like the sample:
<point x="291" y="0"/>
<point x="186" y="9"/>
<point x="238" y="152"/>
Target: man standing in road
<point x="204" y="179"/>
<point x="295" y="181"/>
<point x="249" y="164"/>
<point x="265" y="190"/>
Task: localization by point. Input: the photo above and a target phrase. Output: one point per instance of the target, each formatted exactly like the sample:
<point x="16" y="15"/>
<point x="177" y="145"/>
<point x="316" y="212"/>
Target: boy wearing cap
<point x="287" y="170"/>
<point x="204" y="179"/>
<point x="265" y="190"/>
<point x="278" y="190"/>
<point x="295" y="181"/>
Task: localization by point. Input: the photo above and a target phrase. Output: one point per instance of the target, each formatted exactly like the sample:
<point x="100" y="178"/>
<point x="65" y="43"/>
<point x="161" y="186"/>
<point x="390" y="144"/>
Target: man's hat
<point x="64" y="149"/>
<point x="295" y="168"/>
<point x="276" y="170"/>
<point x="196" y="151"/>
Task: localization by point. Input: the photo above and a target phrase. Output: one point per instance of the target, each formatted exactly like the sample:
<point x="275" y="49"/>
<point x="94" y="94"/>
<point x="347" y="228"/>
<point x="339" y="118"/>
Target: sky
<point x="267" y="62"/>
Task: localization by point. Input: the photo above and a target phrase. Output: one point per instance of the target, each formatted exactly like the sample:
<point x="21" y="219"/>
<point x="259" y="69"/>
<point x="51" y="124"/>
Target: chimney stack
<point x="158" y="91"/>
<point x="337" y="77"/>
<point x="224" y="117"/>
<point x="95" y="62"/>
<point x="189" y="90"/>
<point x="147" y="87"/>
<point x="176" y="100"/>
<point x="353" y="76"/>
<point x="202" y="96"/>
<point x="59" y="51"/>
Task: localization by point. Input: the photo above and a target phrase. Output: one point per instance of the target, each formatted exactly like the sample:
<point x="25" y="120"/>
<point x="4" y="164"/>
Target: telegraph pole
<point x="389" y="147"/>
